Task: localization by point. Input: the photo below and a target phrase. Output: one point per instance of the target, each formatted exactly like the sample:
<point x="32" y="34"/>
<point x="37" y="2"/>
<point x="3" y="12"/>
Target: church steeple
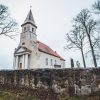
<point x="28" y="34"/>
<point x="29" y="19"/>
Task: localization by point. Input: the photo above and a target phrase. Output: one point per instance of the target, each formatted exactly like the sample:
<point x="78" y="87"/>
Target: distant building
<point x="32" y="53"/>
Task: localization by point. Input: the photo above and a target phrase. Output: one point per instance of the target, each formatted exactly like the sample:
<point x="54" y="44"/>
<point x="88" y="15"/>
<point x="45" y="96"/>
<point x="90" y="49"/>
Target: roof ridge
<point x="45" y="48"/>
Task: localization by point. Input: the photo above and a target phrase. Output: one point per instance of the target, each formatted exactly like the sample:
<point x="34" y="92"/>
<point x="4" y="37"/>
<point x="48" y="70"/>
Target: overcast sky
<point x="53" y="19"/>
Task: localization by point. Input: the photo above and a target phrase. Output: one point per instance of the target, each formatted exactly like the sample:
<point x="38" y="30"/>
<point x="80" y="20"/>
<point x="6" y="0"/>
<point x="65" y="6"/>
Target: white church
<point x="31" y="53"/>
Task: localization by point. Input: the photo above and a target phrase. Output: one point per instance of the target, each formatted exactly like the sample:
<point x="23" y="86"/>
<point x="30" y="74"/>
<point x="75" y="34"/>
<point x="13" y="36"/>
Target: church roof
<point x="29" y="19"/>
<point x="46" y="49"/>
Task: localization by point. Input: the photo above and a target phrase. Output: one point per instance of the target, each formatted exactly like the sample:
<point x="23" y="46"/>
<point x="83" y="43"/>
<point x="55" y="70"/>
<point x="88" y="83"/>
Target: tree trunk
<point x="92" y="50"/>
<point x="91" y="46"/>
<point x="83" y="58"/>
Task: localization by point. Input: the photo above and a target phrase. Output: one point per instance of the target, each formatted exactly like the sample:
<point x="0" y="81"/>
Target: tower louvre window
<point x="32" y="29"/>
<point x="24" y="28"/>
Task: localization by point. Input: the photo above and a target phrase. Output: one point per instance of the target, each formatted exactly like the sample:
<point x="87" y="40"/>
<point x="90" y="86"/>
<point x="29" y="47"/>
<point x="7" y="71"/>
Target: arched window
<point x="51" y="62"/>
<point x="55" y="62"/>
<point x="46" y="61"/>
<point x="24" y="29"/>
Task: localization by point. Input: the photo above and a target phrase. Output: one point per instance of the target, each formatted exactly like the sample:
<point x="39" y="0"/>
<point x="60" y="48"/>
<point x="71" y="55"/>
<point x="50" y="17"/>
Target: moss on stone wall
<point x="8" y="95"/>
<point x="49" y="84"/>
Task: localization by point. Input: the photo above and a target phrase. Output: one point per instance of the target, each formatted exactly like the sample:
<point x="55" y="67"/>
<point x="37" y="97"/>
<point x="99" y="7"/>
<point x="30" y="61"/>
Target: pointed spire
<point x="29" y="19"/>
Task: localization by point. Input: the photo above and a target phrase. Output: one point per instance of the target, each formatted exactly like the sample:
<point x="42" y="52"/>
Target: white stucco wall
<point x="38" y="60"/>
<point x="62" y="63"/>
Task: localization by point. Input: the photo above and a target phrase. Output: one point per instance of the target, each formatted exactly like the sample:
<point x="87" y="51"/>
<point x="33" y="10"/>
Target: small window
<point x="51" y="62"/>
<point x="57" y="66"/>
<point x="24" y="28"/>
<point x="55" y="62"/>
<point x="46" y="61"/>
<point x="32" y="29"/>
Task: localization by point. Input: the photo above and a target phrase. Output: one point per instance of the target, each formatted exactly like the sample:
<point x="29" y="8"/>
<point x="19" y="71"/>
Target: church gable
<point x="22" y="50"/>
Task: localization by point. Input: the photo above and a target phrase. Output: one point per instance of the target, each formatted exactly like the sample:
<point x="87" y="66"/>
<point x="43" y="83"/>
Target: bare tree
<point x="75" y="39"/>
<point x="96" y="7"/>
<point x="88" y="26"/>
<point x="7" y="24"/>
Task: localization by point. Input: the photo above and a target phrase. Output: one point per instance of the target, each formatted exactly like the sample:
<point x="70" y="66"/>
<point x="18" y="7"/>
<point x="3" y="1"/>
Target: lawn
<point x="12" y="96"/>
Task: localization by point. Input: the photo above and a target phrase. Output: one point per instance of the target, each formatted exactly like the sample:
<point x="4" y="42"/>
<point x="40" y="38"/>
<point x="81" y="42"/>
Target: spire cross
<point x="30" y="4"/>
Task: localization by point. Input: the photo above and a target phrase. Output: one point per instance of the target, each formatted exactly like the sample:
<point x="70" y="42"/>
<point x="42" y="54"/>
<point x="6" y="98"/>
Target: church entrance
<point x="20" y="66"/>
<point x="20" y="62"/>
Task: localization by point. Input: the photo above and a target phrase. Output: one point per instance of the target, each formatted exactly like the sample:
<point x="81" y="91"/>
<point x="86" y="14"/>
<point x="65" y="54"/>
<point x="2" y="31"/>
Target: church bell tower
<point x="28" y="35"/>
<point x="28" y="40"/>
